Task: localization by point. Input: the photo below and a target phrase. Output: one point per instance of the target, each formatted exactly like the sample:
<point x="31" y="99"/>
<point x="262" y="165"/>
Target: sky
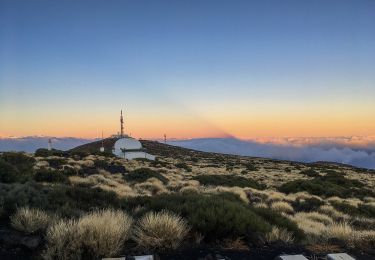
<point x="187" y="69"/>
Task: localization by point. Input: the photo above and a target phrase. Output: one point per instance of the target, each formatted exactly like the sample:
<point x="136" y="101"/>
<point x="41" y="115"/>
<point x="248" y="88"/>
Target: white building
<point x="130" y="148"/>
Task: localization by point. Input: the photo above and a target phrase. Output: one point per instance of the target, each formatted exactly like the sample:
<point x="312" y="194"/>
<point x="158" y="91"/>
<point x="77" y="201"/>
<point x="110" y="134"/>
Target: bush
<point x="30" y="220"/>
<point x="143" y="174"/>
<point x="47" y="175"/>
<point x="308" y="204"/>
<point x="228" y="180"/>
<point x="332" y="184"/>
<point x="214" y="216"/>
<point x="104" y="232"/>
<point x="162" y="230"/>
<point x="42" y="152"/>
<point x="64" y="200"/>
<point x="362" y="210"/>
<point x="98" y="234"/>
<point x="282" y="206"/>
<point x="279" y="235"/>
<point x="112" y="168"/>
<point x="63" y="241"/>
<point x="8" y="173"/>
<point x="56" y="162"/>
<point x="310" y="173"/>
<point x="280" y="221"/>
<point x="22" y="162"/>
<point x="341" y="231"/>
<point x="250" y="167"/>
<point x="183" y="165"/>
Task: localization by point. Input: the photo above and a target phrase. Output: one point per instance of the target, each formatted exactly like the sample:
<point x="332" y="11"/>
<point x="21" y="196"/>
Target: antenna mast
<point x="102" y="148"/>
<point x="122" y="126"/>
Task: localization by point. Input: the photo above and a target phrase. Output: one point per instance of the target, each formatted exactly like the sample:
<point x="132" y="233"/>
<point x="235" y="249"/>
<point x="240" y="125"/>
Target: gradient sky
<point x="187" y="68"/>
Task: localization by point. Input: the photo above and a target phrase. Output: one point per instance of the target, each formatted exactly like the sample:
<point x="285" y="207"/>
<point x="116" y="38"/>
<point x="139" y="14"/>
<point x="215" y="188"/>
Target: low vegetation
<point x="230" y="181"/>
<point x="162" y="230"/>
<point x="30" y="220"/>
<point x="94" y="235"/>
<point x="86" y="205"/>
<point x="143" y="174"/>
<point x="331" y="184"/>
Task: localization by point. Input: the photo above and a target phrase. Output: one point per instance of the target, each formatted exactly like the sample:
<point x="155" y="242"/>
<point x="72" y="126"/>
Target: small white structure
<point x="340" y="256"/>
<point x="130" y="148"/>
<point x="291" y="257"/>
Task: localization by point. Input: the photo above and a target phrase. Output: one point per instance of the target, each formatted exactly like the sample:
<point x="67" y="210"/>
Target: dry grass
<point x="152" y="186"/>
<point x="30" y="220"/>
<point x="189" y="189"/>
<point x="312" y="228"/>
<point x="98" y="234"/>
<point x="331" y="211"/>
<point x="339" y="230"/>
<point x="364" y="239"/>
<point x="274" y="196"/>
<point x="282" y="206"/>
<point x="105" y="231"/>
<point x="41" y="164"/>
<point x="162" y="230"/>
<point x="315" y="216"/>
<point x="277" y="234"/>
<point x="63" y="241"/>
<point x="260" y="205"/>
<point x="235" y="190"/>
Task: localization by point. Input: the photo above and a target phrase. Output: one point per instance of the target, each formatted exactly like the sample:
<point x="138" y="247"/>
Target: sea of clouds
<point x="357" y="151"/>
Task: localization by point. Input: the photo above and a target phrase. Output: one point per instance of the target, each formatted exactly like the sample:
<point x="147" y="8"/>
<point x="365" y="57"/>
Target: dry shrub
<point x="189" y="189"/>
<point x="105" y="231"/>
<point x="331" y="211"/>
<point x="274" y="196"/>
<point x="277" y="234"/>
<point x="364" y="239"/>
<point x="315" y="216"/>
<point x="340" y="230"/>
<point x="312" y="228"/>
<point x="41" y="164"/>
<point x="86" y="163"/>
<point x="162" y="230"/>
<point x="63" y="241"/>
<point x="97" y="234"/>
<point x="30" y="220"/>
<point x="152" y="186"/>
<point x="282" y="206"/>
<point x="235" y="190"/>
<point x="260" y="205"/>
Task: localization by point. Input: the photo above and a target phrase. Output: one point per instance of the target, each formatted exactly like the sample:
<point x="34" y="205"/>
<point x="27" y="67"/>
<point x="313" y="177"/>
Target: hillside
<point x="237" y="206"/>
<point x="94" y="147"/>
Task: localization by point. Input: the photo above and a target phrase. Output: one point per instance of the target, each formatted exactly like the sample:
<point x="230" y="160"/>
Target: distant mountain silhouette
<point x="31" y="143"/>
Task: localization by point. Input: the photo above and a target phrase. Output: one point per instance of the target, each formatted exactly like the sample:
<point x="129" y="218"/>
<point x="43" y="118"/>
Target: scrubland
<point x="92" y="205"/>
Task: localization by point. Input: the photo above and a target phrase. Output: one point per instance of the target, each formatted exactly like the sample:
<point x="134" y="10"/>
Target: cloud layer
<point x="357" y="151"/>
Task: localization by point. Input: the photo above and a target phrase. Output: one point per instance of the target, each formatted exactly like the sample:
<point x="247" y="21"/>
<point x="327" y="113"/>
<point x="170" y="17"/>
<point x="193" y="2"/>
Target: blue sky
<point x="195" y="59"/>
